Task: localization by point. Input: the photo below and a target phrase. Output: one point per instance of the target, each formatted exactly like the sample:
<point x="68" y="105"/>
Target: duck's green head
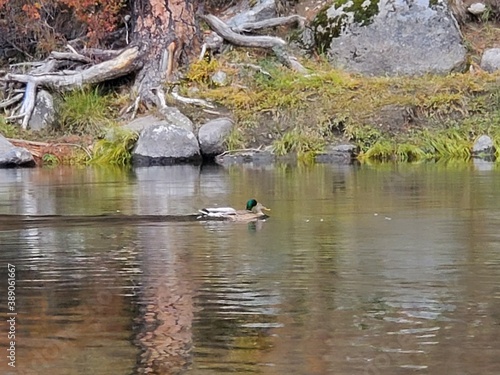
<point x="251" y="204"/>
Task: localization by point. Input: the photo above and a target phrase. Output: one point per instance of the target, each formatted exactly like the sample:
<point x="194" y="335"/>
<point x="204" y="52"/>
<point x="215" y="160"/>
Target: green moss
<point x="326" y="28"/>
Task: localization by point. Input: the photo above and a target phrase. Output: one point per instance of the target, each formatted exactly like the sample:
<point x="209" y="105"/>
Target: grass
<point x="85" y="111"/>
<point x="445" y="113"/>
<point x="115" y="148"/>
<point x="305" y="145"/>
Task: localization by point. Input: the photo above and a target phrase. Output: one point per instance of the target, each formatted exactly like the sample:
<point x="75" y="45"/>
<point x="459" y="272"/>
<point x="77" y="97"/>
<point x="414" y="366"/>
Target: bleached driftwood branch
<point x="274" y="43"/>
<point x="271" y="22"/>
<point x="45" y="75"/>
<point x="232" y="37"/>
<point x="123" y="64"/>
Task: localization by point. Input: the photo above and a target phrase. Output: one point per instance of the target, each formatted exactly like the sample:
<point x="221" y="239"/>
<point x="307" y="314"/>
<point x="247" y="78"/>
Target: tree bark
<point x="168" y="35"/>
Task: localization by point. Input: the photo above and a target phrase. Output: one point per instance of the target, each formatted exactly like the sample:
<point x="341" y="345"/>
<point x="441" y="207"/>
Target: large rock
<point x="44" y="113"/>
<point x="177" y="118"/>
<point x="212" y="135"/>
<point x="141" y="123"/>
<point x="12" y="156"/>
<point x="165" y="145"/>
<point x="171" y="116"/>
<point x="390" y="37"/>
<point x="490" y="61"/>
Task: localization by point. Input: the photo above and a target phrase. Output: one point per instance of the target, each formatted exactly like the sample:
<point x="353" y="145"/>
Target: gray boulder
<point x="165" y="145"/>
<point x="44" y="113"/>
<point x="490" y="61"/>
<point x="12" y="156"/>
<point x="171" y="116"/>
<point x="141" y="123"/>
<point x="177" y="118"/>
<point x="212" y="135"/>
<point x="393" y="37"/>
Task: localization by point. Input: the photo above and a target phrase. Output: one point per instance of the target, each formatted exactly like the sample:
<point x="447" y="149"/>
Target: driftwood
<point x="44" y="75"/>
<point x="228" y="34"/>
<point x="73" y="69"/>
<point x="198" y="102"/>
<point x="271" y="22"/>
<point x="123" y="64"/>
<point x="276" y="44"/>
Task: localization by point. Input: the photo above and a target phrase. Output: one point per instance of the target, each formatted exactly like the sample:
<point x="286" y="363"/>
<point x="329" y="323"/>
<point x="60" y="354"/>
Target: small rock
<point x="490" y="61"/>
<point x="477" y="9"/>
<point x="212" y="135"/>
<point x="483" y="147"/>
<point x="219" y="78"/>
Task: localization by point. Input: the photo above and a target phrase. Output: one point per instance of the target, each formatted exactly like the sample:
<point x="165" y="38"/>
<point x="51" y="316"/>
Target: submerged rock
<point x="12" y="156"/>
<point x="340" y="154"/>
<point x="256" y="157"/>
<point x="165" y="145"/>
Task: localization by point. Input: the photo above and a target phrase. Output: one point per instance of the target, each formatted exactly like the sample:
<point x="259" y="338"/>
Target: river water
<point x="374" y="269"/>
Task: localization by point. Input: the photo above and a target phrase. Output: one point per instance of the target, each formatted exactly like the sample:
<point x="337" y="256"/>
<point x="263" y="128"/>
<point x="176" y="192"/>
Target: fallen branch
<point x="242" y="40"/>
<point x="70" y="56"/>
<point x="199" y="102"/>
<point x="28" y="103"/>
<point x="274" y="43"/>
<point x="101" y="54"/>
<point x="272" y="22"/>
<point x="10" y="101"/>
<point x="123" y="64"/>
<point x="126" y="62"/>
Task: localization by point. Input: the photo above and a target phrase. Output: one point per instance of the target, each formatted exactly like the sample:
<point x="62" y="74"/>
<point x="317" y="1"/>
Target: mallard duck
<point x="253" y="211"/>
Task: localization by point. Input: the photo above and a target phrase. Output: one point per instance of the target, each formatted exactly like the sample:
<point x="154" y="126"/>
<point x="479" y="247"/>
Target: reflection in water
<point x="375" y="270"/>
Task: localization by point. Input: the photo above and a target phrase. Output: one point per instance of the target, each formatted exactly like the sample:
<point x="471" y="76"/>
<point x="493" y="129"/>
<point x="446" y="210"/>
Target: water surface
<point x="387" y="269"/>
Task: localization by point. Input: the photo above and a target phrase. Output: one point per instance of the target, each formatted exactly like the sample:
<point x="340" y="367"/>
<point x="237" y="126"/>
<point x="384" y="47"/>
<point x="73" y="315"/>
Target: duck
<point x="253" y="211"/>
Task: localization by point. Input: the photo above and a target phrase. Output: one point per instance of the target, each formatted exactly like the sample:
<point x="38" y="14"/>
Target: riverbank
<point x="386" y="118"/>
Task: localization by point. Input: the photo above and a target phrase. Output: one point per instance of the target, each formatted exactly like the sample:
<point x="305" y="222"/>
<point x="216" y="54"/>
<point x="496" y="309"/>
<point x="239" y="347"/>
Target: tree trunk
<point x="168" y="36"/>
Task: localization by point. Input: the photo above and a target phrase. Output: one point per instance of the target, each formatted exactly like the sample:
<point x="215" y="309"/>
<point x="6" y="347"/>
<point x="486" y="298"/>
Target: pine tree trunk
<point x="167" y="34"/>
